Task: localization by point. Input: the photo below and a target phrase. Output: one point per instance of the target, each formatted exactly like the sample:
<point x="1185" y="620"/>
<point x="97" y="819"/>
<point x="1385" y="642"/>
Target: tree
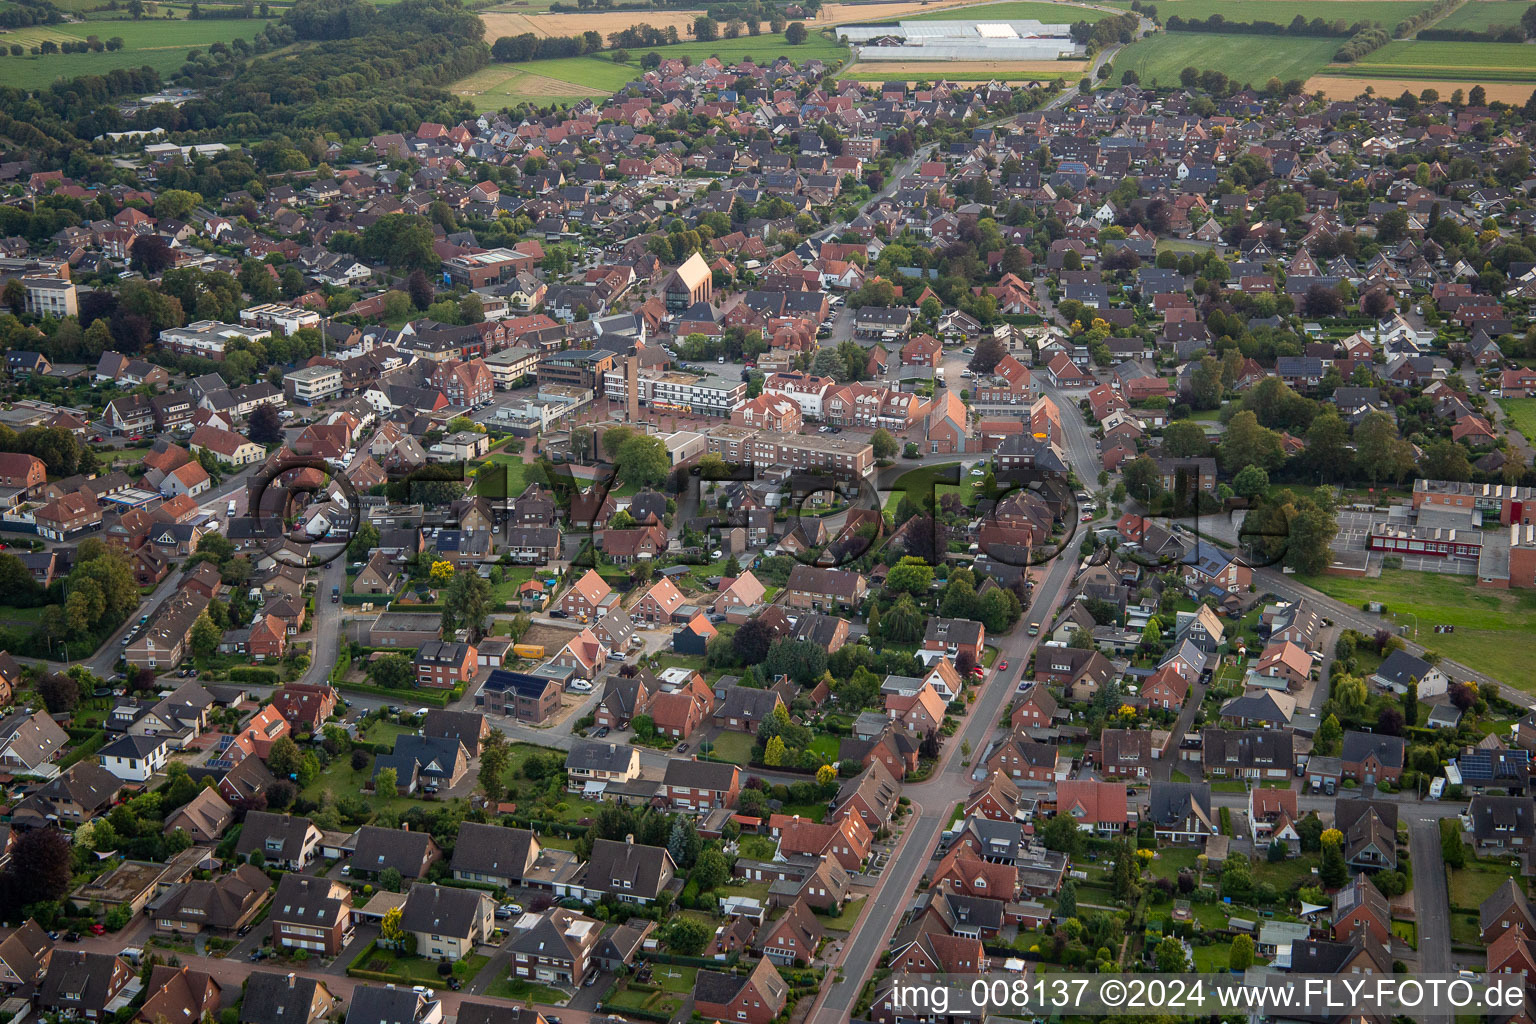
<point x="151" y="255"/>
<point x="390" y="878"/>
<point x="60" y="693"/>
<point x="1185" y="439"/>
<point x="265" y="426"/>
<point x="1061" y="834"/>
<point x="1246" y="443"/>
<point x="1250" y="481"/>
<point x="389" y="927"/>
<point x="385" y="781"/>
<point x="795" y="33"/>
<point x="989" y="352"/>
<point x="1380" y="453"/>
<point x="774" y="753"/>
<point x="910" y="576"/>
<point x="1170" y="956"/>
<point x="884" y="444"/>
<point x="1333" y="872"/>
<point x="1411" y="703"/>
<point x="1329" y="737"/>
<point x="1328" y="446"/>
<point x="643" y="461"/>
<point x="1241" y="956"/>
<point x="466" y="604"/>
<point x="1205" y="384"/>
<point x="363" y="542"/>
<point x="41" y="868"/>
<point x="205" y="636"/>
<point x="1143" y="480"/>
<point x="711" y="870"/>
<point x="752" y="641"/>
<point x="420" y="289"/>
<point x="614" y="438"/>
<point x="494" y="759"/>
<point x="686" y="936"/>
<point x="1066" y="900"/>
<point x="393" y="671"/>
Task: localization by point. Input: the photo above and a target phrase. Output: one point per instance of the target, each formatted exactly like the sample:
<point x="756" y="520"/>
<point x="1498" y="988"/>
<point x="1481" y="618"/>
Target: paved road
<point x="933" y="802"/>
<point x="1431" y="899"/>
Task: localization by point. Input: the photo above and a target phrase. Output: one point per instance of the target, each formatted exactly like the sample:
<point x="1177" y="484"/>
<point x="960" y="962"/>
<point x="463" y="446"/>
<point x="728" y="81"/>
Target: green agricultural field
<point x="1412" y="58"/>
<point x="1387" y="12"/>
<point x="1493" y="627"/>
<point x="763" y="49"/>
<point x="1246" y="58"/>
<point x="568" y="79"/>
<point x="1014" y="10"/>
<point x="1482" y="15"/>
<point x="160" y="44"/>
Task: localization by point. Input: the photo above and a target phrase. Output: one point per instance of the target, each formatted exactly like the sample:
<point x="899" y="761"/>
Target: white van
<point x="230" y="511"/>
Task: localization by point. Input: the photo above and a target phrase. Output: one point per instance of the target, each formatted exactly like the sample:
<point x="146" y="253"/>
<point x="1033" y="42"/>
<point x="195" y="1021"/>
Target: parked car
<point x="559" y="613"/>
<point x="601" y="732"/>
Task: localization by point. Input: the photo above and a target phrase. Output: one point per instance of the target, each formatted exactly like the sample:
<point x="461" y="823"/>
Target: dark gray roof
<point x="275" y="998"/>
<point x="375" y="1004"/>
<point x="442" y="909"/>
<point x="1360" y="745"/>
<point x="494" y="850"/>
<point x="606" y="757"/>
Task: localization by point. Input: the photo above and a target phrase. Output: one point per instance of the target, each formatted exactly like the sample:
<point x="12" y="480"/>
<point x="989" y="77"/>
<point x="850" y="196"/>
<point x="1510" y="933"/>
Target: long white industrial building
<point x="962" y="40"/>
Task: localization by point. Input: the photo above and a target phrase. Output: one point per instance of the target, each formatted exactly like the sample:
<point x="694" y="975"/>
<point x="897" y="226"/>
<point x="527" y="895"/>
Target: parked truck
<point x="531" y="651"/>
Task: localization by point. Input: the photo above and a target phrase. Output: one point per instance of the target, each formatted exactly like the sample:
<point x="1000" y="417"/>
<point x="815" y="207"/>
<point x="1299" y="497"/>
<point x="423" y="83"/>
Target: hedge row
<point x="251" y="674"/>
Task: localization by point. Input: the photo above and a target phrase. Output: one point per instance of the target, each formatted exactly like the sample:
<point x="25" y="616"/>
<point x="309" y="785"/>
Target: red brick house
<point x="1360" y="905"/>
<point x="996" y="799"/>
<point x="658" y="603"/>
<point x="677" y="713"/>
<point x="755" y="998"/>
<point x="1023" y="760"/>
<point x="305" y="705"/>
<point x="700" y="785"/>
<point x="268" y="639"/>
<point x="954" y="637"/>
<point x="923" y="350"/>
<point x="1034" y="709"/>
<point x="793" y="938"/>
<point x="848" y="839"/>
<point x="586" y="596"/>
<point x="1166" y="688"/>
<point x="969" y="875"/>
<point x="443" y="666"/>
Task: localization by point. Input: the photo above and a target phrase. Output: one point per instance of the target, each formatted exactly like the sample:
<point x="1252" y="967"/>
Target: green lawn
<point x="1521" y="412"/>
<point x="1473" y="884"/>
<point x="1407" y="931"/>
<point x="1252" y="59"/>
<point x="735" y="747"/>
<point x="1213" y="958"/>
<point x="1412" y="58"/>
<point x="919" y="484"/>
<point x="509" y="988"/>
<point x="413" y="970"/>
<point x="757" y="847"/>
<point x="159" y="43"/>
<point x="512" y="577"/>
<point x="502" y="474"/>
<point x="674" y="977"/>
<point x="1172" y="860"/>
<point x="1491" y="625"/>
<point x="845" y="921"/>
<point x="1286" y="873"/>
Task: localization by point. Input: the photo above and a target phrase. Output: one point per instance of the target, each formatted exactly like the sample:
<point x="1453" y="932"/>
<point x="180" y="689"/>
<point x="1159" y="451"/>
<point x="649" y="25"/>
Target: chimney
<point x="291" y="979"/>
<point x="613" y="748"/>
<point x="630" y="839"/>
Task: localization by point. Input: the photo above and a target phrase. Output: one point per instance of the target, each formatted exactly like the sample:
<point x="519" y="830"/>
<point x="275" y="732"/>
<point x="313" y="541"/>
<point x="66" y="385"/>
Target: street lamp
<point x="60" y="643"/>
<point x="1415" y="624"/>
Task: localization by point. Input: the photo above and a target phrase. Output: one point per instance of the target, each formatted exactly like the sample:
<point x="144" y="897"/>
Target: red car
<point x="1002" y="666"/>
<point x="97" y="929"/>
<point x="977" y="672"/>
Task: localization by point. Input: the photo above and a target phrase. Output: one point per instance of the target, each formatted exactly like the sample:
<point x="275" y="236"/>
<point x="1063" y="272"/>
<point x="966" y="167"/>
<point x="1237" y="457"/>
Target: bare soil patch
<point x="1335" y="88"/>
<point x="871" y="14"/>
<point x="503" y="23"/>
